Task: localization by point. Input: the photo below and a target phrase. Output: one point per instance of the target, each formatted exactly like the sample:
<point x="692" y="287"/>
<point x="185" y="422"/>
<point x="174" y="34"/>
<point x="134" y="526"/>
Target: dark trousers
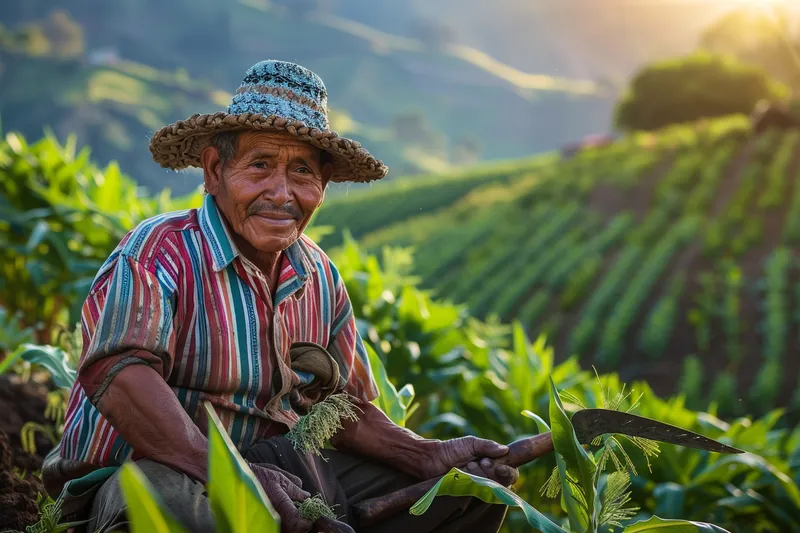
<point x="343" y="480"/>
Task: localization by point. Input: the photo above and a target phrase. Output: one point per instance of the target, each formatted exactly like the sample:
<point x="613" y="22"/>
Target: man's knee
<point x="185" y="498"/>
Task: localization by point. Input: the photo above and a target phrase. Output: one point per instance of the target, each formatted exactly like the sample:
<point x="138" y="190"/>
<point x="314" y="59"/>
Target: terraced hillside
<point x="671" y="257"/>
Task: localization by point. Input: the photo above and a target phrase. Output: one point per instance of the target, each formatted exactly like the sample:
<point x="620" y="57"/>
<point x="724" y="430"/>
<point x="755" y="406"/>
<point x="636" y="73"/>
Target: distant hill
<point x="654" y="254"/>
<point x="428" y="86"/>
<point x="420" y="103"/>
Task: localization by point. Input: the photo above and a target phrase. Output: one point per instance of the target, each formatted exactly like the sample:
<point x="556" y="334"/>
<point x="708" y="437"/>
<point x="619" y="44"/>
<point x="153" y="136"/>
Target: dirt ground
<point x="20" y="403"/>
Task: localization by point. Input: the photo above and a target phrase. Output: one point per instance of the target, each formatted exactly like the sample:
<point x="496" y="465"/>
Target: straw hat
<point x="273" y="96"/>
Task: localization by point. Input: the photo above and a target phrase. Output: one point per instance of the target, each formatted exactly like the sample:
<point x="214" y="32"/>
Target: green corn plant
<point x="12" y="331"/>
<point x="592" y="500"/>
<point x="237" y="500"/>
<point x="145" y="511"/>
<point x="53" y="359"/>
<point x="49" y="518"/>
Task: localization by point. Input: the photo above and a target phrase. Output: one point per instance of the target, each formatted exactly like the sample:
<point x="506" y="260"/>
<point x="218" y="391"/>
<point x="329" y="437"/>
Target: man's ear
<point x="327" y="174"/>
<point x="212" y="169"/>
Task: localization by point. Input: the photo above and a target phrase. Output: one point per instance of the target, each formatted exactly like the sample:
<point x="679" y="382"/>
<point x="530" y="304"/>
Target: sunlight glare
<point x="763" y="4"/>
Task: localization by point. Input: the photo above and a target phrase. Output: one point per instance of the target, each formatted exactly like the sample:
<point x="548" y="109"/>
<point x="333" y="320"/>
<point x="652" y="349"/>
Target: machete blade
<point x="590" y="423"/>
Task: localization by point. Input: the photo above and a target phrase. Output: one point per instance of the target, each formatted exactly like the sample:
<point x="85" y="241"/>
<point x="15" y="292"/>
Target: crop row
<point x="611" y="287"/>
<point x="500" y="239"/>
<point x="733" y="283"/>
<point x="519" y="240"/>
<point x="660" y="322"/>
<point x="763" y="185"/>
<point x="518" y="277"/>
<point x="650" y="271"/>
<point x="775" y="328"/>
<point x="613" y="232"/>
<point x="710" y="179"/>
<point x="407" y="197"/>
<point x="774" y="190"/>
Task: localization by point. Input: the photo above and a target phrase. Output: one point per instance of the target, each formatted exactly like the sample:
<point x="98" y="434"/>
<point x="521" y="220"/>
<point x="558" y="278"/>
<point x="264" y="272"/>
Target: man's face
<point x="270" y="188"/>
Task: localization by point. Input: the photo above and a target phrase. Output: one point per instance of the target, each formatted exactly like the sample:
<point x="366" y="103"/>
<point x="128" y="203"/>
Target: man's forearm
<point x="376" y="437"/>
<point x="147" y="414"/>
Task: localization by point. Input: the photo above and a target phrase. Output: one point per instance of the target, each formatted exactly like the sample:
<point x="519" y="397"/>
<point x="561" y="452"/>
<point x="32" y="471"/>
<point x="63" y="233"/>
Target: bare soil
<point x="20" y="403"/>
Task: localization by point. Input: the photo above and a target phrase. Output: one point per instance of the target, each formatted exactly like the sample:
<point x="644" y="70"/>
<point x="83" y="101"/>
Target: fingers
<point x="488" y="448"/>
<point x="291" y="521"/>
<point x="506" y="475"/>
<point x="294" y="492"/>
<point x="502" y="474"/>
<point x="291" y="477"/>
<point x="284" y="480"/>
<point x="475" y="469"/>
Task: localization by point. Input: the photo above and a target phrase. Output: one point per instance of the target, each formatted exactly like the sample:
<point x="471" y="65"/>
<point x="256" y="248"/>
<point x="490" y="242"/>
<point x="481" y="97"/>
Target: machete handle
<point x="374" y="510"/>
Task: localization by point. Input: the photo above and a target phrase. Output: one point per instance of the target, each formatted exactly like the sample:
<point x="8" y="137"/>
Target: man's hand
<point x="376" y="437"/>
<point x="473" y="455"/>
<point x="282" y="489"/>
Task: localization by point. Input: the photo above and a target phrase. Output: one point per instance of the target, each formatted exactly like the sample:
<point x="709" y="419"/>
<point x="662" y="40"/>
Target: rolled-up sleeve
<point x="126" y="319"/>
<point x="347" y="346"/>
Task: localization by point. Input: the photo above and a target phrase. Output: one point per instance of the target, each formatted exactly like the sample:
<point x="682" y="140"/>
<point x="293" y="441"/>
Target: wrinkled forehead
<point x="274" y="141"/>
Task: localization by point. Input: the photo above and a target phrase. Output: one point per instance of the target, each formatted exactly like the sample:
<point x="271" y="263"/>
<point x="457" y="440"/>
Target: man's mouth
<point x="276" y="216"/>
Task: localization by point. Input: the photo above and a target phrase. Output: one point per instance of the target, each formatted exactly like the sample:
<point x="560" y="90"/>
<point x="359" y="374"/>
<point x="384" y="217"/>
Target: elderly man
<point x="216" y="304"/>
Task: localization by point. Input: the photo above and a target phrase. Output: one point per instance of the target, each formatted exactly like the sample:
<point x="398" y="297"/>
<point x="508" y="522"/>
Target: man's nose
<point x="276" y="187"/>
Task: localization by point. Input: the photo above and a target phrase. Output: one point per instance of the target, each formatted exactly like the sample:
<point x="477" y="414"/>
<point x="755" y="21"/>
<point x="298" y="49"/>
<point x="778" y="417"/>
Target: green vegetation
<point x="659" y="245"/>
<point x="97" y="74"/>
<point x="442" y="373"/>
<point x="690" y="88"/>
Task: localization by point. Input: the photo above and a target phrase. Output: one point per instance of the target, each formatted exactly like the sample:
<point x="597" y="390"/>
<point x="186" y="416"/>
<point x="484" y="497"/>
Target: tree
<point x="691" y="88"/>
<point x="760" y="38"/>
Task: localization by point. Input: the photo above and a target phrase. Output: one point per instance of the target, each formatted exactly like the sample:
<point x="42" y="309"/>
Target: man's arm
<point x="127" y="359"/>
<point x="376" y="437"/>
<point x="148" y="416"/>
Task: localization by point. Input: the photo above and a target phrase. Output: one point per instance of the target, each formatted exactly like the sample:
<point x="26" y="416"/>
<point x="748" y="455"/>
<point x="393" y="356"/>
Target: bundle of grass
<point x="314" y="508"/>
<point x="324" y="419"/>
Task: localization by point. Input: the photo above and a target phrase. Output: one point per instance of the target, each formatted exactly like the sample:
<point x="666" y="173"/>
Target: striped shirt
<point x="177" y="295"/>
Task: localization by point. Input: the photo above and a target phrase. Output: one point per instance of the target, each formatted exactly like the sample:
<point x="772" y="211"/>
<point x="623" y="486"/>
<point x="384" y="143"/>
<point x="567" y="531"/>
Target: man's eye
<point x="303" y="170"/>
<point x="260" y="164"/>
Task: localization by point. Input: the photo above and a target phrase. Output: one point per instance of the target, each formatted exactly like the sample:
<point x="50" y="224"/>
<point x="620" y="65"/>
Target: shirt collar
<point x="224" y="250"/>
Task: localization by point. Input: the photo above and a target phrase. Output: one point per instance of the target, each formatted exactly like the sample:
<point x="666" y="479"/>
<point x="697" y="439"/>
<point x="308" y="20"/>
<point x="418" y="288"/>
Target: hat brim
<point x="178" y="145"/>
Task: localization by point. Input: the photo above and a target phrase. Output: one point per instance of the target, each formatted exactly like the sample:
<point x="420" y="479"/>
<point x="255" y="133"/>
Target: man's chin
<point x="273" y="244"/>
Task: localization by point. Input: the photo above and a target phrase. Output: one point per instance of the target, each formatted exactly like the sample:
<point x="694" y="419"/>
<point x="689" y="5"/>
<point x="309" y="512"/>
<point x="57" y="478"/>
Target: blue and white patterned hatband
<point x="273" y="95"/>
<point x="283" y="89"/>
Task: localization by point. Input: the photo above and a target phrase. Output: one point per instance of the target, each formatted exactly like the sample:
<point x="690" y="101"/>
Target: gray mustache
<point x="264" y="208"/>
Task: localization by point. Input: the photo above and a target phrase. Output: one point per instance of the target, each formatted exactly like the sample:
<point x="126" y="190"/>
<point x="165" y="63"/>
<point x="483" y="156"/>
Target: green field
<point x="442" y="373"/>
<point x="652" y="255"/>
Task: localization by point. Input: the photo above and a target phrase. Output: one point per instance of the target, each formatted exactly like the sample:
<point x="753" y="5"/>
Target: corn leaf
<point x="237" y="499"/>
<point x="576" y="469"/>
<point x="389" y="401"/>
<point x="726" y="467"/>
<point x="458" y="483"/>
<point x="145" y="511"/>
<point x="55" y="360"/>
<point x="670" y="499"/>
<point x="662" y="525"/>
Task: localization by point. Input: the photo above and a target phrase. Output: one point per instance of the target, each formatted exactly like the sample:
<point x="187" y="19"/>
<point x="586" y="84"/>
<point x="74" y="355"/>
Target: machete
<point x="588" y="424"/>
